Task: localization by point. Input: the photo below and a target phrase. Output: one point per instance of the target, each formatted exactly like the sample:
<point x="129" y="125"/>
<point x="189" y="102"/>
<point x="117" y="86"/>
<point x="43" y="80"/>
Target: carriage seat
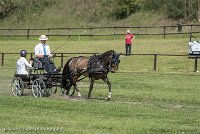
<point x="37" y="64"/>
<point x="24" y="77"/>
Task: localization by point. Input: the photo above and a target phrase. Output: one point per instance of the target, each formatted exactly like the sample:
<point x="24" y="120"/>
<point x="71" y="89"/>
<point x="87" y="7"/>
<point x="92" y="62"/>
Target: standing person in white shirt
<point x="22" y="64"/>
<point x="43" y="53"/>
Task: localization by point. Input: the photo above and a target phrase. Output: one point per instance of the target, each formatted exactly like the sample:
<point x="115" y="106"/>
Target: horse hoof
<point x="66" y="97"/>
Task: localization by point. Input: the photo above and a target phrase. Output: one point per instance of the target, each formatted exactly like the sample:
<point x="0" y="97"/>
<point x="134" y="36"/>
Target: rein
<point x="61" y="45"/>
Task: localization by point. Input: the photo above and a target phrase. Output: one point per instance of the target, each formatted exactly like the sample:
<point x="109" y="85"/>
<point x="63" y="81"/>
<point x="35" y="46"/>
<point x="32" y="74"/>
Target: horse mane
<point x="100" y="56"/>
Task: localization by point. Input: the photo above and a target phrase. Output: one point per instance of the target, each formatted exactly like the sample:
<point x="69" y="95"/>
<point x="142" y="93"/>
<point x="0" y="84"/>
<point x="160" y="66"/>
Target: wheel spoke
<point x="38" y="88"/>
<point x="16" y="89"/>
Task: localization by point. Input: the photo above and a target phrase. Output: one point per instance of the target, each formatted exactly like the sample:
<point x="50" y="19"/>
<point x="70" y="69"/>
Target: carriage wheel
<point x="62" y="90"/>
<point x="52" y="90"/>
<point x="38" y="88"/>
<point x="17" y="86"/>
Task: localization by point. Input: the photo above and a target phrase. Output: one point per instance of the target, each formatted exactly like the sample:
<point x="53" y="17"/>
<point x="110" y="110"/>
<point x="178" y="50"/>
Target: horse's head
<point x="109" y="60"/>
<point x="114" y="61"/>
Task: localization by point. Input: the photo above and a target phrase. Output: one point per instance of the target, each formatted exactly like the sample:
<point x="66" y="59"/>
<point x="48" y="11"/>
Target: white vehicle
<point x="194" y="46"/>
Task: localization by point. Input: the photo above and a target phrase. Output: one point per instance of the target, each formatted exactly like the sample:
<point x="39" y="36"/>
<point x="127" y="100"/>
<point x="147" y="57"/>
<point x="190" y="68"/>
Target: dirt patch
<point x="65" y="97"/>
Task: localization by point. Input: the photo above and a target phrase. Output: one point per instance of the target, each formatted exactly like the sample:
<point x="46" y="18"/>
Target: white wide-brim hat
<point x="128" y="31"/>
<point x="43" y="37"/>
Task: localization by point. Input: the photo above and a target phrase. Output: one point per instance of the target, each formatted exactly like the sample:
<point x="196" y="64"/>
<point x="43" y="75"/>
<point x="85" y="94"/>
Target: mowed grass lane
<point x="142" y="103"/>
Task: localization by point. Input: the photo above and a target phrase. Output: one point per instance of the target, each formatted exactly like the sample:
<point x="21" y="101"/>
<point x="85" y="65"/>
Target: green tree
<point x="120" y="9"/>
<point x="175" y="9"/>
<point x="6" y="7"/>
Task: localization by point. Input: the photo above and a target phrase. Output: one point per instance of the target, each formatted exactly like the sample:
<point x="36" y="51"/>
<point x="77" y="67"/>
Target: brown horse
<point x="95" y="67"/>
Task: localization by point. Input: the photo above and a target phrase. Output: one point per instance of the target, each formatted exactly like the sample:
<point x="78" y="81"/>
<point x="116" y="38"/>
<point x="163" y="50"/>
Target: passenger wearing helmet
<point x="43" y="53"/>
<point x="22" y="63"/>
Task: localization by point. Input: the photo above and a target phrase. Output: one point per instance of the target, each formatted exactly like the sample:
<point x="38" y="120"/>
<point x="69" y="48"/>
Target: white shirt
<point x="21" y="65"/>
<point x="39" y="49"/>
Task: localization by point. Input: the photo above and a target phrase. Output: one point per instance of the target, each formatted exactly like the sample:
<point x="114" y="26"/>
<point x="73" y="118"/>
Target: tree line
<point x="174" y="9"/>
<point x="22" y="7"/>
<point x="116" y="9"/>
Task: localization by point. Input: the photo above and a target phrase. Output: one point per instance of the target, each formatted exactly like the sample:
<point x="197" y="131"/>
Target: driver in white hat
<point x="43" y="53"/>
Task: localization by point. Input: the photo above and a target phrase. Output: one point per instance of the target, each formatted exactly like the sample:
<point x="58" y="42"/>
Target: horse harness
<point x="95" y="66"/>
<point x="75" y="72"/>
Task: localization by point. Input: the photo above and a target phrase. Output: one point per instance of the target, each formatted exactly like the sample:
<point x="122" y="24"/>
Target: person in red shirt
<point x="128" y="42"/>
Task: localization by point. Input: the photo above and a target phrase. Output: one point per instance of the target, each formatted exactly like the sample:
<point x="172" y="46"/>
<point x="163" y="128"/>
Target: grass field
<point x="144" y="101"/>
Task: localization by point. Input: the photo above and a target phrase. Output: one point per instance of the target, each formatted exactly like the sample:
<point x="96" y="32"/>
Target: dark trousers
<point x="48" y="64"/>
<point x="128" y="49"/>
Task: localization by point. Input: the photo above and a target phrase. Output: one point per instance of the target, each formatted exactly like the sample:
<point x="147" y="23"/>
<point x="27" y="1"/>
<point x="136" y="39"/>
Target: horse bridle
<point x="114" y="61"/>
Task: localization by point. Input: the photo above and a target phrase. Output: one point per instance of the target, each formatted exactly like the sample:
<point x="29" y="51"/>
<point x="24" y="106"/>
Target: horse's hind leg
<point x="68" y="89"/>
<point x="91" y="87"/>
<point x="72" y="93"/>
<point x="109" y="87"/>
<point x="76" y="88"/>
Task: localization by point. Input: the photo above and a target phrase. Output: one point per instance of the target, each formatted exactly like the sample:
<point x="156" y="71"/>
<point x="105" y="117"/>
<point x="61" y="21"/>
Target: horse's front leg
<point x="91" y="87"/>
<point x="109" y="88"/>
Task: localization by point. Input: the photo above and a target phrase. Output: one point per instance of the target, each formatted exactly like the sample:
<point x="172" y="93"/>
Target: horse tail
<point x="65" y="75"/>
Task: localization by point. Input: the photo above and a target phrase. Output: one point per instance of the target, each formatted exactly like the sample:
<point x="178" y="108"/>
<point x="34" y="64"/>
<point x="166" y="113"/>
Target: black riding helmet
<point x="23" y="53"/>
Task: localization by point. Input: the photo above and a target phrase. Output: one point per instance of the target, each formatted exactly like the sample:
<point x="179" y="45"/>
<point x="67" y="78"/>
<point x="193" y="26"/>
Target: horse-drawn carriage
<point x="95" y="67"/>
<point x="40" y="83"/>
